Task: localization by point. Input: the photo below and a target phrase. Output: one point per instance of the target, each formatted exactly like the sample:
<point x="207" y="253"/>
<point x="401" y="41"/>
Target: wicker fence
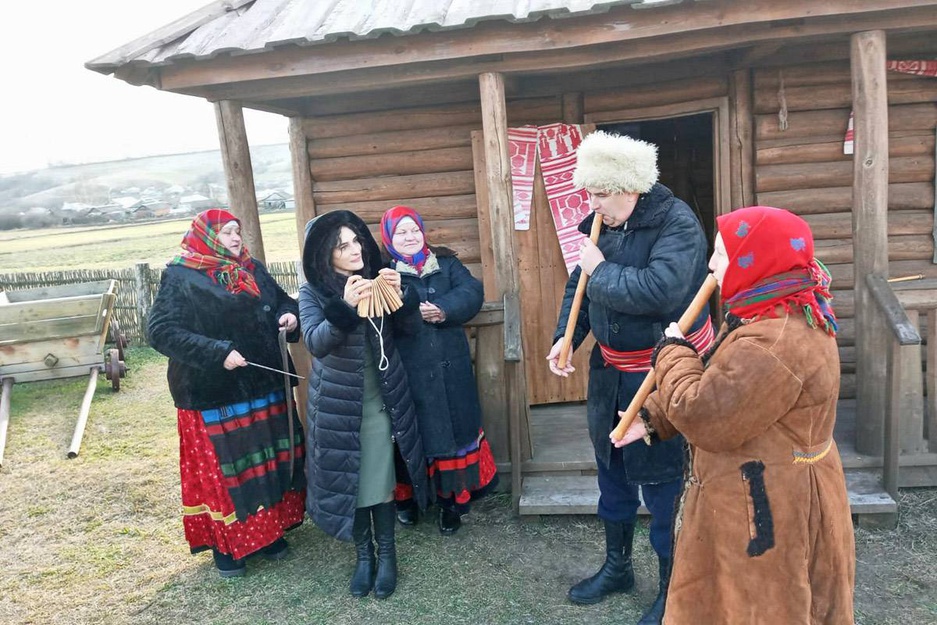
<point x="137" y="287"/>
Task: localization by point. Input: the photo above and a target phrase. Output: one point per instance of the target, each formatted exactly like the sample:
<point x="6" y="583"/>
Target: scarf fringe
<point x="803" y="291"/>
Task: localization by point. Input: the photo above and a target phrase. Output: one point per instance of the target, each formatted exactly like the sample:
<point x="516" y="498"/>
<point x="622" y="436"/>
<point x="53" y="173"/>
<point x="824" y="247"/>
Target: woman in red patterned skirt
<point x="240" y="447"/>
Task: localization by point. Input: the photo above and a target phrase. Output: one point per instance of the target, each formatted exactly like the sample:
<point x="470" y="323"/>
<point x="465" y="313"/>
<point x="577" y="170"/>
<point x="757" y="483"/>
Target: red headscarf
<point x="771" y="264"/>
<point x="203" y="250"/>
<point x="389" y="223"/>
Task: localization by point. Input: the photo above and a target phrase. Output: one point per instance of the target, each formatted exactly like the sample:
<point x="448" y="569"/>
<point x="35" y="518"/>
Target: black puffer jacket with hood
<point x="335" y="336"/>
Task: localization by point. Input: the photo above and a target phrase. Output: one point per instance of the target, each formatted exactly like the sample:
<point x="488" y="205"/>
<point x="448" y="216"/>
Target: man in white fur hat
<point x="649" y="263"/>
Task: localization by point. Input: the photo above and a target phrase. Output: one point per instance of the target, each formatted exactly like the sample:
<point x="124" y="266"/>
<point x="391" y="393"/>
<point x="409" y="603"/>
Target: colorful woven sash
<point x="640" y="361"/>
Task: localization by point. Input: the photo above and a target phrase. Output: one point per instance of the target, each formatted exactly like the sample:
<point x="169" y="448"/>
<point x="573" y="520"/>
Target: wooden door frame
<point x="719" y="107"/>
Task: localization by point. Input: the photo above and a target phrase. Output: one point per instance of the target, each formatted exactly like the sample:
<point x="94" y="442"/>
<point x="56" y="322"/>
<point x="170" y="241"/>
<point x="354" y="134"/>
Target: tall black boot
<point x="616" y="575"/>
<point x="384" y="518"/>
<point x="362" y="579"/>
<point x="655" y="614"/>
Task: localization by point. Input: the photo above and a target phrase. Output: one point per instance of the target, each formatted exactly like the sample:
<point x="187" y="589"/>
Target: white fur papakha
<point x="615" y="164"/>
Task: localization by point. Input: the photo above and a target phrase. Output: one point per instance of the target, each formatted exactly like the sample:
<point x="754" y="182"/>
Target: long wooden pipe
<point x="577" y="299"/>
<point x="685" y="323"/>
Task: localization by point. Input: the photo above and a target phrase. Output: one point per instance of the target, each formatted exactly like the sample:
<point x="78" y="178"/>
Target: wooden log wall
<point x="802" y="168"/>
<point x="420" y="157"/>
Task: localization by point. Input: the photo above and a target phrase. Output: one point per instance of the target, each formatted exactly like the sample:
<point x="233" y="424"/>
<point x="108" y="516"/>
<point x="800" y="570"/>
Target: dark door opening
<point x="685" y="157"/>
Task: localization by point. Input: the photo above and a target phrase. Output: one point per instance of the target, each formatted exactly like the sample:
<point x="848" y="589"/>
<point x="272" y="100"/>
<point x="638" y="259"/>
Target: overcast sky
<point x="54" y="111"/>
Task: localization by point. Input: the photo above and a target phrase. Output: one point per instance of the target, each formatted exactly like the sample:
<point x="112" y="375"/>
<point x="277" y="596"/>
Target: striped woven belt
<point x="814" y="453"/>
<point x="640" y="361"/>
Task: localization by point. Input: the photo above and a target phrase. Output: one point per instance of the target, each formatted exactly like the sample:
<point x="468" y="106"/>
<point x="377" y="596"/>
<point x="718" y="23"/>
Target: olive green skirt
<point x="376" y="475"/>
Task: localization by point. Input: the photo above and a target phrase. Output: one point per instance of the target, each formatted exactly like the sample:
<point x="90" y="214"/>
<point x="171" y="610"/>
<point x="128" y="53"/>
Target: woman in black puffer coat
<point x="359" y="403"/>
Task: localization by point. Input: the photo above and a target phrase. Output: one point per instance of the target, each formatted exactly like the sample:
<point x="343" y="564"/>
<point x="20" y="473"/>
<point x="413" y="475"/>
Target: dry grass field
<point x="98" y="540"/>
<point x="120" y="246"/>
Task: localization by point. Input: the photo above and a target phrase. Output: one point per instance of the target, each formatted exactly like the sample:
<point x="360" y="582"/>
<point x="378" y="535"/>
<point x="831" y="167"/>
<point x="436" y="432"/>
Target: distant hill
<point x="97" y="183"/>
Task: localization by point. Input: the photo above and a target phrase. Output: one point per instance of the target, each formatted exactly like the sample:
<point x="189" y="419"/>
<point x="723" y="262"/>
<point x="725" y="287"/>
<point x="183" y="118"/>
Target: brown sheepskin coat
<point x="764" y="534"/>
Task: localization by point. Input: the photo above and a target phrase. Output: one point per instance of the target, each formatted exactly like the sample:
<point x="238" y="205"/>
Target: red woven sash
<point x="640" y="361"/>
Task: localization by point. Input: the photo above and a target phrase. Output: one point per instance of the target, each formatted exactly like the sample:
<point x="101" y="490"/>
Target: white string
<point x="384" y="362"/>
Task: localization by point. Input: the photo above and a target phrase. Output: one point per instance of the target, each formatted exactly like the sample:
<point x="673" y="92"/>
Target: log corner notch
<point x="239" y="174"/>
<point x="869" y="231"/>
<point x="501" y="211"/>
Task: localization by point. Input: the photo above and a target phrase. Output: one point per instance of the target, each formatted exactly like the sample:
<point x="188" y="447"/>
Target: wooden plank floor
<point x="559" y="479"/>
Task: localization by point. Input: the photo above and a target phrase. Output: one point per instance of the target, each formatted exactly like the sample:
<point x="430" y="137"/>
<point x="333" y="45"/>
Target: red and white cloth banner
<point x="522" y="146"/>
<point x="555" y="145"/>
<point x="568" y="205"/>
<point x="919" y="68"/>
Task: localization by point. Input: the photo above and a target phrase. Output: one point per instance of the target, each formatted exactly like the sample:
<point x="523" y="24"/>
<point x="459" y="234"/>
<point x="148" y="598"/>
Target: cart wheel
<point x="114" y="368"/>
<point x="117" y="337"/>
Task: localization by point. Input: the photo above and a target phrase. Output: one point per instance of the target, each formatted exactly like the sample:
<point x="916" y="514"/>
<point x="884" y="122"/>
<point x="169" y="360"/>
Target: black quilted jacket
<point x="336" y="336"/>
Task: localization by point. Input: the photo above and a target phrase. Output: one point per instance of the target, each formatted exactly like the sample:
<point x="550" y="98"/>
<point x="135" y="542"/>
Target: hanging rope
<point x="383" y="362"/>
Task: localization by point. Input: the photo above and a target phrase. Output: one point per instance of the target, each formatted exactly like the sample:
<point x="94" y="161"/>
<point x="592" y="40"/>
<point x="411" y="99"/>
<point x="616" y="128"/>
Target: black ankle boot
<point x="655" y="614"/>
<point x="228" y="566"/>
<point x="277" y="550"/>
<point x="362" y="580"/>
<point x="386" y="581"/>
<point x="407" y="512"/>
<point x="616" y="575"/>
<point x="449" y="521"/>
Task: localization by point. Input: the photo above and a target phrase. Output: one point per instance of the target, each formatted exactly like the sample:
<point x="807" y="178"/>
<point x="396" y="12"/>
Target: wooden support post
<point x="489" y="340"/>
<point x="302" y="178"/>
<point x="236" y="157"/>
<point x="501" y="212"/>
<point x="4" y="414"/>
<point x="911" y="402"/>
<point x="891" y="433"/>
<point x="83" y="413"/>
<point x="931" y="381"/>
<point x="141" y="283"/>
<point x="742" y="169"/>
<point x="305" y="210"/>
<point x="573" y="108"/>
<point x="869" y="231"/>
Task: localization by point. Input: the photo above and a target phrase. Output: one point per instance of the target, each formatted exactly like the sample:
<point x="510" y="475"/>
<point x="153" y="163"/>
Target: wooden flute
<point x="685" y="323"/>
<point x="567" y="344"/>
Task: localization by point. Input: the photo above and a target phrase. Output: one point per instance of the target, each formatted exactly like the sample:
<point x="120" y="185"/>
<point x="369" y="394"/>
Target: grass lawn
<point x="99" y="539"/>
<point x="121" y="246"/>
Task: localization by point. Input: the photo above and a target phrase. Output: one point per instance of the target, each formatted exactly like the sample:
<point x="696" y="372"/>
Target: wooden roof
<point x="296" y="57"/>
<point x="245" y="26"/>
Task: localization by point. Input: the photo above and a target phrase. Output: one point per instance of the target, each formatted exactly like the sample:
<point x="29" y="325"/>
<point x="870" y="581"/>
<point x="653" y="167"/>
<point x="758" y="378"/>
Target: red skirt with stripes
<point x="209" y="516"/>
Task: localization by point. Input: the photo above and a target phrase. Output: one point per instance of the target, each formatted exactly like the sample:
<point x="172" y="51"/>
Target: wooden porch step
<point x="579" y="494"/>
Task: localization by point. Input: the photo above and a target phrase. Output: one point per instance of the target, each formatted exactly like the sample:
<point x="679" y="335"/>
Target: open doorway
<point x="685" y="158"/>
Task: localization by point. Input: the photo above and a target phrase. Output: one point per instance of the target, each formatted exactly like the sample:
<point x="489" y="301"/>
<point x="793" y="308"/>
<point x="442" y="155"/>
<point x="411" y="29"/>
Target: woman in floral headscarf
<point x="439" y="369"/>
<point x="763" y="533"/>
<point x="242" y="476"/>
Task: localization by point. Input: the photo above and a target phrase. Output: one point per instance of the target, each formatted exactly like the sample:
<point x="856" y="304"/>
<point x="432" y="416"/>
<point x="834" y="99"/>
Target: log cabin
<point x="398" y="102"/>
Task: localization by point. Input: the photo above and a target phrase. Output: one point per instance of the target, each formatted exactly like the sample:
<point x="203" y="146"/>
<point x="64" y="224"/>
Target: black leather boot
<point x="449" y="521"/>
<point x="407" y="512"/>
<point x="655" y="614"/>
<point x="362" y="580"/>
<point x="386" y="581"/>
<point x="228" y="566"/>
<point x="616" y="575"/>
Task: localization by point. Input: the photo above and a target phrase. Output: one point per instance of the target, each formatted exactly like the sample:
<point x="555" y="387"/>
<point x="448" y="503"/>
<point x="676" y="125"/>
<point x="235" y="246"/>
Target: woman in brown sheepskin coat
<point x="763" y="530"/>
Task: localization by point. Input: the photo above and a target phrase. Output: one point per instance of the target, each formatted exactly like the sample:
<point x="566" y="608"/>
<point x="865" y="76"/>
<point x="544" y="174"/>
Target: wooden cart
<point x="59" y="332"/>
